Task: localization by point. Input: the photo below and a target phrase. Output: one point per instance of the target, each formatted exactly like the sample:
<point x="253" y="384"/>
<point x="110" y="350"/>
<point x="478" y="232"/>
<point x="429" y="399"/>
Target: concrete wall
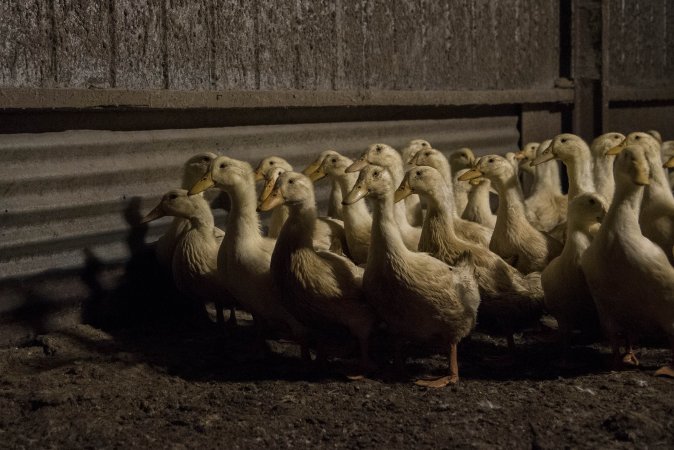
<point x="279" y="45"/>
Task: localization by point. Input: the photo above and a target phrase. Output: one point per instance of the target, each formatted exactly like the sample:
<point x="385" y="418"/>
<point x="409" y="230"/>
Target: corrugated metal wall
<point x="305" y="75"/>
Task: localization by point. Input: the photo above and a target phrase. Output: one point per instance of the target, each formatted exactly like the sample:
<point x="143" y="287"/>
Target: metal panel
<point x="66" y="195"/>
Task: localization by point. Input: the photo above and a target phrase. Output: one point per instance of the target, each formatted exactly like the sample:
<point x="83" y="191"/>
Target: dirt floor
<point x="159" y="388"/>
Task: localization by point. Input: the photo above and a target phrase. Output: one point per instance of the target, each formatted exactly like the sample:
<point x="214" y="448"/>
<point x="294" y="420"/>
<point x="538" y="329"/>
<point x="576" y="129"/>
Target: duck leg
<point x="219" y="314"/>
<point x="231" y="322"/>
<point x="630" y="357"/>
<point x="668" y="370"/>
<point x="453" y="376"/>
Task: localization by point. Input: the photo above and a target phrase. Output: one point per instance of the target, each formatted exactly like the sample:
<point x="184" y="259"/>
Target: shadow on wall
<point x="138" y="293"/>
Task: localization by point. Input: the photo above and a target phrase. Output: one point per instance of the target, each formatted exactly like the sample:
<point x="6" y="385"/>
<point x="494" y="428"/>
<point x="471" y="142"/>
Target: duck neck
<point x="623" y="214"/>
<point x="351" y="213"/>
<point x="385" y="236"/>
<point x="578" y="239"/>
<point x="580" y="175"/>
<point x="202" y="218"/>
<point x="478" y="200"/>
<point x="546" y="178"/>
<point x="298" y="230"/>
<point x="511" y="199"/>
<point x="439" y="222"/>
<point x="242" y="220"/>
<point x="659" y="190"/>
<point x="603" y="175"/>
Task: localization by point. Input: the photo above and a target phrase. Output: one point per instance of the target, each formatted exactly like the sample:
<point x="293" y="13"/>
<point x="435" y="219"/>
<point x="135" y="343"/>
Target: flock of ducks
<point x="425" y="258"/>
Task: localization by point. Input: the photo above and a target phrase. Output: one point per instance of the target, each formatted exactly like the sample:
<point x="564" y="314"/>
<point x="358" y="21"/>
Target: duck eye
<point x="291" y="181"/>
<point x="637" y="137"/>
<point x="205" y="159"/>
<point x="223" y="165"/>
<point x="423" y="144"/>
<point x="427" y="154"/>
<point x="173" y="196"/>
<point x="378" y="148"/>
<point x="592" y="202"/>
<point x="491" y="160"/>
<point x="563" y="141"/>
<point x="418" y="173"/>
<point x="334" y="160"/>
<point x="271" y="163"/>
<point x="376" y="174"/>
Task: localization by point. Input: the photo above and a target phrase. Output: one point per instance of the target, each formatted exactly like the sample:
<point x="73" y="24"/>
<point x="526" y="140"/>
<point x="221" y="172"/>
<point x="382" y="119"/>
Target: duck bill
<point x="200" y="186"/>
<point x="271" y="201"/>
<point x="258" y="175"/>
<point x="359" y="191"/>
<point x="357" y="166"/>
<point x="641" y="174"/>
<point x="543" y="158"/>
<point x="266" y="190"/>
<point x="404" y="191"/>
<point x="476" y="181"/>
<point x="669" y="164"/>
<point x="413" y="159"/>
<point x="470" y="175"/>
<point x="313" y="167"/>
<point x="617" y="149"/>
<point x="156" y="213"/>
<point x="316" y="175"/>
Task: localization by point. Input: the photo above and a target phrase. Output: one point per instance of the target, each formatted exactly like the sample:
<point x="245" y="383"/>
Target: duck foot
<point x="630" y="359"/>
<point x="437" y="382"/>
<point x="665" y="371"/>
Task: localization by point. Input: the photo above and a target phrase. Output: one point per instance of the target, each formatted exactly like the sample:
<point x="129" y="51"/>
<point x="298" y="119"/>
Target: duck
<point x="357" y="217"/>
<point x="509" y="301"/>
<point x="546" y="206"/>
<point x="567" y="296"/>
<point x="387" y="157"/>
<point x="470" y="231"/>
<point x="461" y="190"/>
<point x="514" y="238"/>
<point x="478" y="209"/>
<point x="415" y="213"/>
<point x="264" y="171"/>
<point x="630" y="277"/>
<point x="244" y="257"/>
<point x="602" y="170"/>
<point x="575" y="154"/>
<point x="460" y="159"/>
<point x="335" y="199"/>
<point x="418" y="296"/>
<point x="657" y="210"/>
<point x="194" y="265"/>
<point x="321" y="289"/>
<point x="328" y="233"/>
<point x="193" y="169"/>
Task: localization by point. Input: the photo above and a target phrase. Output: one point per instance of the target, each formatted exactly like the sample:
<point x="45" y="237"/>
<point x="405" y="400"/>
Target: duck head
<point x="602" y="144"/>
<point x="195" y="168"/>
<point x="373" y="181"/>
<point x="333" y="164"/>
<point x="411" y="149"/>
<point x="491" y="167"/>
<point x="462" y="158"/>
<point x="291" y="188"/>
<point x="313" y="167"/>
<point x="224" y="173"/>
<point x="563" y="147"/>
<point x="528" y="154"/>
<point x="639" y="138"/>
<point x="270" y="162"/>
<point x="270" y="177"/>
<point x="587" y="210"/>
<point x="175" y="203"/>
<point x="423" y="180"/>
<point x="632" y="166"/>
<point x="378" y="154"/>
<point x="669" y="163"/>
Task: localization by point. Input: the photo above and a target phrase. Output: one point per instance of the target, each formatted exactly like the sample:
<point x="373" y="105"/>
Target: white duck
<point x="509" y="300"/>
<point x="415" y="214"/>
<point x="467" y="230"/>
<point x="193" y="170"/>
<point x="603" y="163"/>
<point x="245" y="256"/>
<point x="460" y="159"/>
<point x="387" y="157"/>
<point x="329" y="232"/>
<point x="514" y="238"/>
<point x="575" y="154"/>
<point x="657" y="210"/>
<point x="630" y="277"/>
<point x="567" y="297"/>
<point x="418" y="296"/>
<point x="478" y="209"/>
<point x="335" y="200"/>
<point x="357" y="218"/>
<point x="323" y="290"/>
<point x="195" y="256"/>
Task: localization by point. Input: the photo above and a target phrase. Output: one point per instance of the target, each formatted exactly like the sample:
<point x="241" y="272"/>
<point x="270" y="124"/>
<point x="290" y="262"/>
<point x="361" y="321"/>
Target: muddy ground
<point x="161" y="388"/>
